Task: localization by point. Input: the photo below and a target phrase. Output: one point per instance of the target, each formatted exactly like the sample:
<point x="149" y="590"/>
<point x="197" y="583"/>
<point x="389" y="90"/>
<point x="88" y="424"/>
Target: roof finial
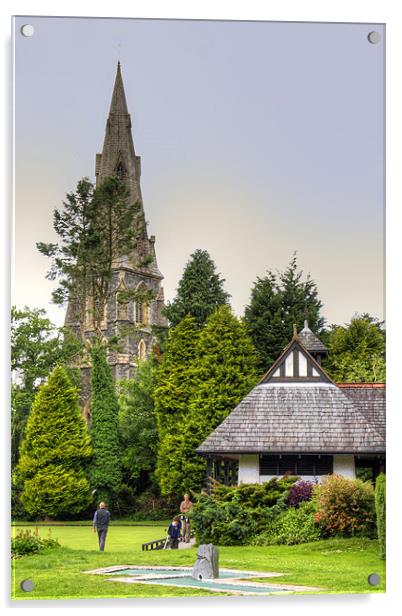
<point x="305" y="324"/>
<point x="294" y="330"/>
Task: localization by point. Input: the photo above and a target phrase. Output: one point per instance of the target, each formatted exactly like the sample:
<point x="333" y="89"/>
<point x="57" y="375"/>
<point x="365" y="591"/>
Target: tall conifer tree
<point x="222" y="372"/>
<point x="53" y="453"/>
<point x="105" y="469"/>
<point x="200" y="290"/>
<point x="172" y="395"/>
<point x="278" y="302"/>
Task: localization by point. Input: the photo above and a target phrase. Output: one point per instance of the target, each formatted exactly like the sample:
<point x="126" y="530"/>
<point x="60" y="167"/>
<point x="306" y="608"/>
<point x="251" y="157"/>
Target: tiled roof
<point x="310" y="340"/>
<point x="369" y="399"/>
<point x="309" y="418"/>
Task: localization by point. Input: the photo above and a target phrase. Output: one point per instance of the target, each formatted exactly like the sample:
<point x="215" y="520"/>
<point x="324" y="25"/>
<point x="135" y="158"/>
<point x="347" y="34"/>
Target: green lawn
<point x="339" y="566"/>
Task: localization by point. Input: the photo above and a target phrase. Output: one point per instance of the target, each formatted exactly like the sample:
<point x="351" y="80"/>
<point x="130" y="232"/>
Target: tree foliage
<point x="37" y="346"/>
<point x="380" y="503"/>
<point x="200" y="290"/>
<point x="172" y="395"/>
<point x="224" y="371"/>
<point x="96" y="227"/>
<point x="55" y="448"/>
<point x="357" y="351"/>
<point x="105" y="468"/>
<point x="277" y="302"/>
<point x="203" y="376"/>
<point x="137" y="427"/>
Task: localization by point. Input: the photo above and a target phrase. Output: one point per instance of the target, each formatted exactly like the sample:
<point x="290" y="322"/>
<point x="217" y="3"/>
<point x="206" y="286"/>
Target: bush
<point x="29" y="542"/>
<point x="300" y="492"/>
<point x="345" y="507"/>
<point x="380" y="512"/>
<point x="233" y="515"/>
<point x="55" y="492"/>
<point x="295" y="525"/>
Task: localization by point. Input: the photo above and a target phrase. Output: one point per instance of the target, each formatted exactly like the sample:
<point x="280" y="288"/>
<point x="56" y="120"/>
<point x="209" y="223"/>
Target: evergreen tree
<point x="96" y="226"/>
<point x="137" y="427"/>
<point x="224" y="371"/>
<point x="200" y="290"/>
<point x="37" y="346"/>
<point x="299" y="301"/>
<point x="50" y="470"/>
<point x="105" y="468"/>
<point x="264" y="320"/>
<point x="380" y="507"/>
<point x="356" y="351"/>
<point x="278" y="302"/>
<point x="171" y="396"/>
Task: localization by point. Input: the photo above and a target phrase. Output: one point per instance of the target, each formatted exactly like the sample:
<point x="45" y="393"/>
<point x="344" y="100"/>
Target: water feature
<point x="230" y="580"/>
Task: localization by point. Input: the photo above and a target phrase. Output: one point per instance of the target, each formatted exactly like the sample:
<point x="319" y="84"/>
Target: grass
<point x="337" y="566"/>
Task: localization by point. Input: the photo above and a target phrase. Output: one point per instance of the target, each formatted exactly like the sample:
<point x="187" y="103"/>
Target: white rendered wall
<point x="344" y="464"/>
<point x="249" y="468"/>
<point x="312" y="478"/>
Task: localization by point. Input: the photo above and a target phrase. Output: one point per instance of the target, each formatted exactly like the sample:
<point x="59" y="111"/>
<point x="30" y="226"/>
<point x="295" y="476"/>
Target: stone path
<point x="185" y="546"/>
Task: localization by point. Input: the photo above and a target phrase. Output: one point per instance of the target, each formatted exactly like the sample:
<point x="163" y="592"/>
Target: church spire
<point x="118" y="158"/>
<point x="119" y="103"/>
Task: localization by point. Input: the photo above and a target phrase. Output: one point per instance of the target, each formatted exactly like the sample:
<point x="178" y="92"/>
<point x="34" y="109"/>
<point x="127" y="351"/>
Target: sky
<point x="257" y="139"/>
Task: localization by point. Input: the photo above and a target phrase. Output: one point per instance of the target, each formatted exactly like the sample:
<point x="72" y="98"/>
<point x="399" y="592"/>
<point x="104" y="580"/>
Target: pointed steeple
<point x="118" y="104"/>
<point x="118" y="158"/>
<point x="118" y="155"/>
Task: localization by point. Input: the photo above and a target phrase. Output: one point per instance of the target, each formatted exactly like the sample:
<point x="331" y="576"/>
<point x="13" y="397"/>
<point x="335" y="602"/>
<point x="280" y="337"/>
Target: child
<point x="174" y="533"/>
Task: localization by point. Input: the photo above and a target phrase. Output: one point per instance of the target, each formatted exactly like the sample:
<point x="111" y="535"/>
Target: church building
<point x="136" y="271"/>
<point x="297" y="421"/>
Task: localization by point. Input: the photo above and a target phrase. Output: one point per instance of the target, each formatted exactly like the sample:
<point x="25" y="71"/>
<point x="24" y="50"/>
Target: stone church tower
<point x="138" y="270"/>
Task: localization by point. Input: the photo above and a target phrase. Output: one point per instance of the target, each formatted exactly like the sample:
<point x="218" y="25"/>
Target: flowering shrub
<point x="300" y="492"/>
<point x="345" y="507"/>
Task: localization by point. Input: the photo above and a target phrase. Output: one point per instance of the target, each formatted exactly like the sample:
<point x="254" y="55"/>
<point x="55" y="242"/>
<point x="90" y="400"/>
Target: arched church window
<point x="122" y="310"/>
<point x="141" y="350"/>
<point x="120" y="170"/>
<point x="139" y="312"/>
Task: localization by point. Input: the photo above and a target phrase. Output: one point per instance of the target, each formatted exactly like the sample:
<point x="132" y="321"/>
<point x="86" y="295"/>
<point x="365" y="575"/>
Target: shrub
<point x="345" y="507"/>
<point x="233" y="515"/>
<point x="29" y="542"/>
<point x="300" y="492"/>
<point x="55" y="491"/>
<point x="292" y="526"/>
<point x="380" y="512"/>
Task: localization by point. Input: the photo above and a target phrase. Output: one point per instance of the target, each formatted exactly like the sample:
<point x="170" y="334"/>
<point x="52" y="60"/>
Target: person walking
<point x="185" y="507"/>
<point x="101" y="524"/>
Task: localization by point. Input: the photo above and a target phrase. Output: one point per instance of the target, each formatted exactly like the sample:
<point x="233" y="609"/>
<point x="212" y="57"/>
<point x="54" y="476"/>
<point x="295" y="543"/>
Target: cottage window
<point x="295" y="465"/>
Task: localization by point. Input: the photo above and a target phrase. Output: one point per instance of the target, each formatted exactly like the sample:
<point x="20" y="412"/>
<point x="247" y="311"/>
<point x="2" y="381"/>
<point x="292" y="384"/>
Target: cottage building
<point x="298" y="421"/>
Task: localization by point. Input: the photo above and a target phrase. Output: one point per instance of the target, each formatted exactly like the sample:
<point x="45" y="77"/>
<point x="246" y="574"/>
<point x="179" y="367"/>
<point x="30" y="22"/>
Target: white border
<point x="383" y="11"/>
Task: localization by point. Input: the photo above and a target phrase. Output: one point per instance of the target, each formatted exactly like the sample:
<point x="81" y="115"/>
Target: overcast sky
<point x="257" y="139"/>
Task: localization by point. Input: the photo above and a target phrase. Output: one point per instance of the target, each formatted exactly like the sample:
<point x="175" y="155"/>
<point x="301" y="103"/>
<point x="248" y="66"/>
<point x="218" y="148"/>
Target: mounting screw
<point x="27" y="585"/>
<point x="374" y="37"/>
<point x="27" y="30"/>
<point x="373" y="579"/>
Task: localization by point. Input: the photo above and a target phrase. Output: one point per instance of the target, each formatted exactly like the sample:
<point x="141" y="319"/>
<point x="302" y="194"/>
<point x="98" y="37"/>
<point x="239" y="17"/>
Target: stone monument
<point x="206" y="566"/>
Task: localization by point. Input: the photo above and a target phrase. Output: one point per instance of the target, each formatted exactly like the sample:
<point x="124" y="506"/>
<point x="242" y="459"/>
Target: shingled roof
<point x="299" y="418"/>
<point x="310" y="340"/>
<point x="369" y="399"/>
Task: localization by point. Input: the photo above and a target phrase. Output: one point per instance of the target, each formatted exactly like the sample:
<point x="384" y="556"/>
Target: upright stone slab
<point x="207" y="564"/>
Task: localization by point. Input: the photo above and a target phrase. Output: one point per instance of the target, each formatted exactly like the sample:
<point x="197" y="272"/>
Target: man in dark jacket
<point x="101" y="524"/>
